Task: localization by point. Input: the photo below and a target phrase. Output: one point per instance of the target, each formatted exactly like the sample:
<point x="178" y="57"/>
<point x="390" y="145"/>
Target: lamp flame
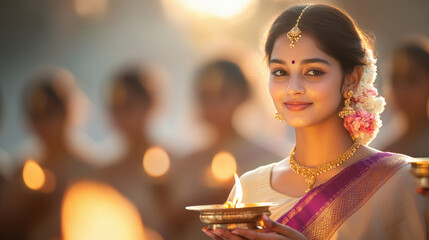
<point x="238" y="196"/>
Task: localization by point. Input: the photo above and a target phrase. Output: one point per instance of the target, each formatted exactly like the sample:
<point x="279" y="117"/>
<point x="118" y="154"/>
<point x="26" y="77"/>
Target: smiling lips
<point x="296" y="106"/>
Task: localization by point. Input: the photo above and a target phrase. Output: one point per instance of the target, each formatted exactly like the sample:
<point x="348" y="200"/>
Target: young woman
<point x="332" y="186"/>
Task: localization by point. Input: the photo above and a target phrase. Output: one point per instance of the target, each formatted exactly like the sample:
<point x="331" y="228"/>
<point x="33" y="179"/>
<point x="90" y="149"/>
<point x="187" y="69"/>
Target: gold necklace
<point x="310" y="173"/>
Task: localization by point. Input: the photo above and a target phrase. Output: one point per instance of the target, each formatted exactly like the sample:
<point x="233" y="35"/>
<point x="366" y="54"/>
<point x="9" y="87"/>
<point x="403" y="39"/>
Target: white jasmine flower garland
<point x="365" y="123"/>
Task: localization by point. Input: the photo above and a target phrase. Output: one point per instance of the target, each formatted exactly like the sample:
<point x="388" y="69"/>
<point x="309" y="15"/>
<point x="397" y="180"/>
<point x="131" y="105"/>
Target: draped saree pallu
<point x="319" y="213"/>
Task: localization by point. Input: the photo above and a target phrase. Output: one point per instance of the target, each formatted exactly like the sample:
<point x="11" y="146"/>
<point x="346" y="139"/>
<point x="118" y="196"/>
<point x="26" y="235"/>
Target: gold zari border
<point x="353" y="197"/>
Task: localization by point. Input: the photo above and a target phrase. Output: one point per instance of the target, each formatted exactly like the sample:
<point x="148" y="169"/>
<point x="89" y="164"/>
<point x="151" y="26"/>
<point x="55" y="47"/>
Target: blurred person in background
<point x="221" y="88"/>
<point x="4" y="161"/>
<point x="409" y="83"/>
<point x="32" y="198"/>
<point x="132" y="100"/>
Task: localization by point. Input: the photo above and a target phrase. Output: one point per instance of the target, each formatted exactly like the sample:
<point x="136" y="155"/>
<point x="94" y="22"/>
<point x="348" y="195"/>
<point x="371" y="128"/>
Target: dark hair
<point x="417" y="50"/>
<point x="135" y="80"/>
<point x="48" y="93"/>
<point x="334" y="30"/>
<point x="232" y="74"/>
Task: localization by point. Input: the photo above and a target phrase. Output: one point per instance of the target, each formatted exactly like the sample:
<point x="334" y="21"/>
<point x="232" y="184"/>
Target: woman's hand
<point x="423" y="191"/>
<point x="279" y="232"/>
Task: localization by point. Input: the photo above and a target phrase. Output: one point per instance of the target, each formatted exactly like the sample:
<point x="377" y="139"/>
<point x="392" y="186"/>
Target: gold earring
<point x="347" y="109"/>
<point x="279" y="117"/>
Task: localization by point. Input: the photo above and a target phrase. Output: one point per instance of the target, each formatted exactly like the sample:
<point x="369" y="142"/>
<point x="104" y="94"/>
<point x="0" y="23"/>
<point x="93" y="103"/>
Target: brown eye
<point x="315" y="72"/>
<point x="279" y="73"/>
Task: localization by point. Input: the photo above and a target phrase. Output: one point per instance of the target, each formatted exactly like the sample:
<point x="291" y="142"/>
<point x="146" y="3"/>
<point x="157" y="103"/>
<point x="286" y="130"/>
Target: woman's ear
<point x="352" y="80"/>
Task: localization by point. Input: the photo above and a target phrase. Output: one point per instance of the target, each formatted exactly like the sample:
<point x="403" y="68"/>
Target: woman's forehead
<point x="305" y="48"/>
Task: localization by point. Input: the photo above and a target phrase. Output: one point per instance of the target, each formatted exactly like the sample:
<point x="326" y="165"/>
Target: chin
<point x="298" y="123"/>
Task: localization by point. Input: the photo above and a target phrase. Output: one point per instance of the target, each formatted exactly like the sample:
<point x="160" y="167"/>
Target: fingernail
<point x="208" y="233"/>
<point x="264" y="217"/>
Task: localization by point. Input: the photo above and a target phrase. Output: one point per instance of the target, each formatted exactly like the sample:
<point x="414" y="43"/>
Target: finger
<point x="278" y="228"/>
<point x="254" y="235"/>
<point x="209" y="233"/>
<point x="226" y="235"/>
<point x="246" y="234"/>
<point x="422" y="191"/>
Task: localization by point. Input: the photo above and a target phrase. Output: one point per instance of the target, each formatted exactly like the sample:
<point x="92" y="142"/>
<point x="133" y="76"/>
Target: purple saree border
<point x="309" y="207"/>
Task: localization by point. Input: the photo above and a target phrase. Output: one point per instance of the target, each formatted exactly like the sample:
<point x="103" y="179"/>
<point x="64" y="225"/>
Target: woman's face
<point x="305" y="82"/>
<point x="218" y="99"/>
<point x="408" y="76"/>
<point x="129" y="112"/>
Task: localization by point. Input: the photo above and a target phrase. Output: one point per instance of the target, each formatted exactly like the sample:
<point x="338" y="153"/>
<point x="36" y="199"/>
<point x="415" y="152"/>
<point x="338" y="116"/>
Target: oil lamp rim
<point x="221" y="207"/>
<point x="419" y="161"/>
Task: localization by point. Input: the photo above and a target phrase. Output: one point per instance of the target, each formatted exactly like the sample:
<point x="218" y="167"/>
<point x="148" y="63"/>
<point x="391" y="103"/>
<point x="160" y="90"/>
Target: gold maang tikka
<point x="295" y="33"/>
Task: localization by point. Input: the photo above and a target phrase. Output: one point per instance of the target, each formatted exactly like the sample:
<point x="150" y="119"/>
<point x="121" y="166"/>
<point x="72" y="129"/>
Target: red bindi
<point x="293" y="61"/>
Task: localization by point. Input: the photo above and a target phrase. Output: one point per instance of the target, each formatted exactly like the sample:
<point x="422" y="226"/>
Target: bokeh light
<point x="87" y="8"/>
<point x="223" y="166"/>
<point x="156" y="161"/>
<point x="93" y="210"/>
<point x="33" y="175"/>
<point x="217" y="8"/>
<point x="223" y="9"/>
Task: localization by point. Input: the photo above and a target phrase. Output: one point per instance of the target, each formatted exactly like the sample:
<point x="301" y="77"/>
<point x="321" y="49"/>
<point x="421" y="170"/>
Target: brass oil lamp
<point x="235" y="214"/>
<point x="420" y="170"/>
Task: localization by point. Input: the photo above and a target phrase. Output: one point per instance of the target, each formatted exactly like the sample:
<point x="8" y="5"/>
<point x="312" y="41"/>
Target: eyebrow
<point x="305" y="61"/>
<point x="275" y="60"/>
<point x="315" y="60"/>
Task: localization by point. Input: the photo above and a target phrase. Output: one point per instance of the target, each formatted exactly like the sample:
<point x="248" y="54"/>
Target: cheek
<point x="276" y="93"/>
<point x="328" y="95"/>
<point x="276" y="90"/>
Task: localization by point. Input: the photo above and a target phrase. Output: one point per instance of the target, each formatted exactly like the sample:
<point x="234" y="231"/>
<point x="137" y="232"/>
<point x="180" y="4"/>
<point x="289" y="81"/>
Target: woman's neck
<point x="321" y="143"/>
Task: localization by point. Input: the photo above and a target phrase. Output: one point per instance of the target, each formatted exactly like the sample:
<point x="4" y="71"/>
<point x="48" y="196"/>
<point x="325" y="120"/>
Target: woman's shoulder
<point x="259" y="172"/>
<point x="395" y="163"/>
<point x="399" y="190"/>
<point x="400" y="163"/>
<point x="401" y="182"/>
<point x="369" y="153"/>
<point x="256" y="184"/>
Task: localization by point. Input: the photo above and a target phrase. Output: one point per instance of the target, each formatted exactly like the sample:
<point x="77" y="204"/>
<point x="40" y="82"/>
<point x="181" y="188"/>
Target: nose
<point x="294" y="86"/>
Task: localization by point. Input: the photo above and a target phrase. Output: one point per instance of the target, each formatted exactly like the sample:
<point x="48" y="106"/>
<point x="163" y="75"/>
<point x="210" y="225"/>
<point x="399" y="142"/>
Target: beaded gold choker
<point x="295" y="33"/>
<point x="310" y="173"/>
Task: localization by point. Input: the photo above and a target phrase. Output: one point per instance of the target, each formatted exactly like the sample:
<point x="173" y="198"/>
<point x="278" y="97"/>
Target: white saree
<point x="391" y="211"/>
